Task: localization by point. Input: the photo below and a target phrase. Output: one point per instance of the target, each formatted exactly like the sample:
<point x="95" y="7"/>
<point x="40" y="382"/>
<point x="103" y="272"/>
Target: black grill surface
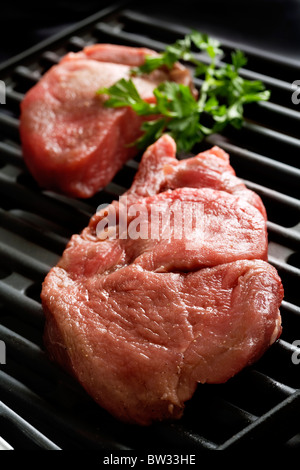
<point x="41" y="408"/>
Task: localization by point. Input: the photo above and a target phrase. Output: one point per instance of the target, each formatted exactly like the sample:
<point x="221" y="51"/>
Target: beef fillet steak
<point x="71" y="143"/>
<point x="141" y="320"/>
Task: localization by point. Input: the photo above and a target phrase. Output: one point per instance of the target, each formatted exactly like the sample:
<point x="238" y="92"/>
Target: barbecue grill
<point x="41" y="407"/>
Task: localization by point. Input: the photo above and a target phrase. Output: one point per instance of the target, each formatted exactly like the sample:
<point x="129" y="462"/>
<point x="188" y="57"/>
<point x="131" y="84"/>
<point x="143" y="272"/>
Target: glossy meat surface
<point x="71" y="143"/>
<point x="139" y="321"/>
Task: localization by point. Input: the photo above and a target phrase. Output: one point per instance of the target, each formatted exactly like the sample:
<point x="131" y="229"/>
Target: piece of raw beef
<point x="142" y="308"/>
<point x="71" y="143"/>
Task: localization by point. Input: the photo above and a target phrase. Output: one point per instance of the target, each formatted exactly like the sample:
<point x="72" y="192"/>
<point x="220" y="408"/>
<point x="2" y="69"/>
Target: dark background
<point x="270" y="24"/>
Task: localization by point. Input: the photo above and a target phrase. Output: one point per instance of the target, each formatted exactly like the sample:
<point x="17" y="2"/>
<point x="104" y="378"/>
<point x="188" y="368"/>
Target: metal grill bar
<point x="271" y="429"/>
<point x="21" y="305"/>
<point x="17" y="427"/>
<point x="43" y="408"/>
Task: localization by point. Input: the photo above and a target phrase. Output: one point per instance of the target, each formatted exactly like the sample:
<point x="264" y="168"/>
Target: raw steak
<point x="139" y="321"/>
<point x="160" y="170"/>
<point x="71" y="143"/>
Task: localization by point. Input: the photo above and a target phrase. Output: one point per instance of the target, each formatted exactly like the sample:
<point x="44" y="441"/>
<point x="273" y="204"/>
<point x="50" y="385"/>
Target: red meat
<point x="160" y="170"/>
<point x="140" y="321"/>
<point x="71" y="143"/>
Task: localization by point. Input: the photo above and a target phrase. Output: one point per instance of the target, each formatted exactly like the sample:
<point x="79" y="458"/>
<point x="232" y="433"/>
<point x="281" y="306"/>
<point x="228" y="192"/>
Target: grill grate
<point x="42" y="408"/>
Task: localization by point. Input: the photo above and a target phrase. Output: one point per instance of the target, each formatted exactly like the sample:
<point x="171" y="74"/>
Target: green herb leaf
<point x="238" y="59"/>
<point x="222" y="95"/>
<point x="152" y="131"/>
<point x="124" y="93"/>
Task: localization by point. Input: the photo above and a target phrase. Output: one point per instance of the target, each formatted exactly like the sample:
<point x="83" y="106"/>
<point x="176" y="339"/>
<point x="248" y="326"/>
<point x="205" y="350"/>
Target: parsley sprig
<point x="222" y="95"/>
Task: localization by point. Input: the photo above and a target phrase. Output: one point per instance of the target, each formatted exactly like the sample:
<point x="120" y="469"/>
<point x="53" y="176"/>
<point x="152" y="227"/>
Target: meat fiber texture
<point x="141" y="321"/>
<point x="71" y="143"/>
